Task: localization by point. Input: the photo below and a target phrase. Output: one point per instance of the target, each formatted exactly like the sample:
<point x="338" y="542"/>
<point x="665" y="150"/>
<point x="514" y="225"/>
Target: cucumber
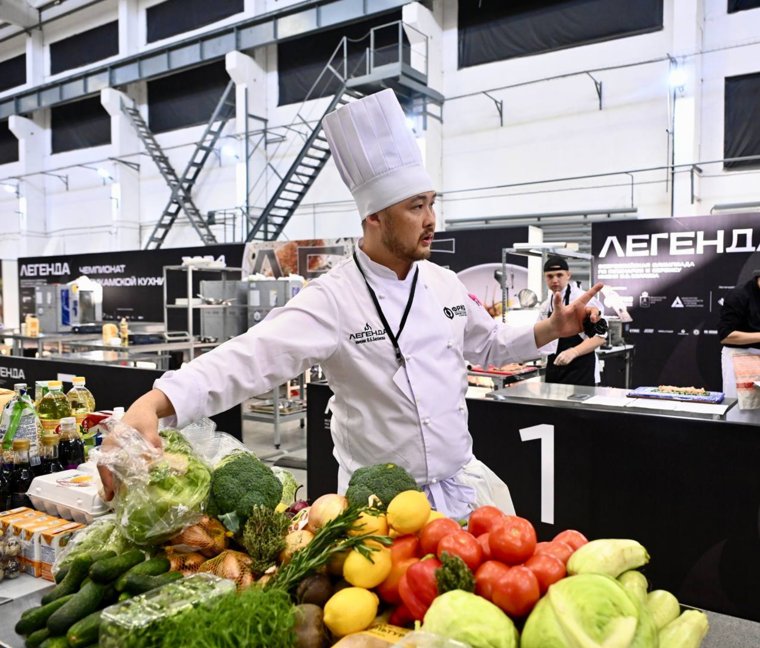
<point x="85" y="601"/>
<point x="72" y="581"/>
<point x="36" y="618"/>
<point x="37" y="637"/>
<point x="55" y="642"/>
<point x="61" y="573"/>
<point x="151" y="567"/>
<point x="140" y="583"/>
<point x="123" y="597"/>
<point x="85" y="631"/>
<point x="109" y="569"/>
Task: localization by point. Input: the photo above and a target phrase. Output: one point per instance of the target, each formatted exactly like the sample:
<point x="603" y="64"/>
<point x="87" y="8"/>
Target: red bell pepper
<point x="405" y="546"/>
<point x="418" y="586"/>
<point x="401" y="617"/>
<point x="388" y="589"/>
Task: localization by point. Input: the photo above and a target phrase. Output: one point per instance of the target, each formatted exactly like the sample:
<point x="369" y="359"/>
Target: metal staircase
<point x="298" y="179"/>
<point x="181" y="188"/>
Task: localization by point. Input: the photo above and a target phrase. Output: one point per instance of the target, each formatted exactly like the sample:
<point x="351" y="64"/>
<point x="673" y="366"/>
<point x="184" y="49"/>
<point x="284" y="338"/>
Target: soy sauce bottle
<point x="49" y="455"/>
<point x="21" y="475"/>
<point x="70" y="444"/>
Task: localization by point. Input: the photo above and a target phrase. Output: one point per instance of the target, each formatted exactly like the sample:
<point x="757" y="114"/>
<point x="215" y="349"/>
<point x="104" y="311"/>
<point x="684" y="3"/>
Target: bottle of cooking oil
<point x="19" y="421"/>
<point x="124" y="332"/>
<point x="81" y="400"/>
<point x="53" y="407"/>
<point x="40" y="389"/>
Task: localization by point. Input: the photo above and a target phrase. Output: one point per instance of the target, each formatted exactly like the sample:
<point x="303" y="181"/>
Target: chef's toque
<point x="376" y="153"/>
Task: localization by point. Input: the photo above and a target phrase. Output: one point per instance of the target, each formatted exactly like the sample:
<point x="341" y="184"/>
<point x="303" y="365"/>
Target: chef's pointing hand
<point x="566" y="321"/>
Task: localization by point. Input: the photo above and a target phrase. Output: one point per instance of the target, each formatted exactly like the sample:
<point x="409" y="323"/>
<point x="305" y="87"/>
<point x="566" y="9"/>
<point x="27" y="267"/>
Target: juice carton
<point x="51" y="543"/>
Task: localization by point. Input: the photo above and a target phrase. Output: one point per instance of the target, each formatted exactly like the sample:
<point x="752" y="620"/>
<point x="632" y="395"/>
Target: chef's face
<point x="407" y="227"/>
<point x="556" y="280"/>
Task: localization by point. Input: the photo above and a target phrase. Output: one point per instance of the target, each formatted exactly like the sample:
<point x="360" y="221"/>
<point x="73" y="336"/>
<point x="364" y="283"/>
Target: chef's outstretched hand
<point x="566" y="321"/>
<point x="143" y="416"/>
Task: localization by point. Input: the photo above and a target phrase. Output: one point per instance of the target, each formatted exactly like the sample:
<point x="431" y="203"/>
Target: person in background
<point x="739" y="328"/>
<point x="571" y="360"/>
<point x="391" y="331"/>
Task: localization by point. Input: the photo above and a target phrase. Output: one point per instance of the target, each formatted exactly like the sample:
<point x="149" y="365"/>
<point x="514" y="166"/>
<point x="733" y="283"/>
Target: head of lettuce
<point x="586" y="611"/>
<point x="158" y="498"/>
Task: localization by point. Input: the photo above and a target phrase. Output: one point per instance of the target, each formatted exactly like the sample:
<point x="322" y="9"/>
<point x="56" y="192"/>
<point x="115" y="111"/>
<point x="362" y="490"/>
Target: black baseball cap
<point x="555" y="263"/>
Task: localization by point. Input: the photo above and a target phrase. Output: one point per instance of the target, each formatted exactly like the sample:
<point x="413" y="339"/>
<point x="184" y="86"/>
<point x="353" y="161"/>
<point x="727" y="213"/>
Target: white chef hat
<point x="376" y="153"/>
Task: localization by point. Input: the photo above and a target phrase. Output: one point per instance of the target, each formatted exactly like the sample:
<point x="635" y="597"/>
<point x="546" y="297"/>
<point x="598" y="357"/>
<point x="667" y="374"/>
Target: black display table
<point x="686" y="487"/>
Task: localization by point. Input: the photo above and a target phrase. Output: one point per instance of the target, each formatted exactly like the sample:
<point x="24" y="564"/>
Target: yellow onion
<point x="294" y="541"/>
<point x="324" y="509"/>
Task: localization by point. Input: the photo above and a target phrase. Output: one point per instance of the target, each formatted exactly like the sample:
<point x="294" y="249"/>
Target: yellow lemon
<point x="368" y="572"/>
<point x="408" y="511"/>
<point x="352" y="609"/>
<point x="367" y="523"/>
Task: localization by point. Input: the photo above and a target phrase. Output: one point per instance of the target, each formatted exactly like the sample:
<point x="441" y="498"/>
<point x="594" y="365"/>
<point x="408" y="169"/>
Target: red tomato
<point x="572" y="537"/>
<point x="516" y="592"/>
<point x="513" y="540"/>
<point x="488" y="573"/>
<point x="432" y="533"/>
<point x="405" y="546"/>
<point x="483" y="542"/>
<point x="561" y="550"/>
<point x="464" y="545"/>
<point x="547" y="568"/>
<point x="482" y="520"/>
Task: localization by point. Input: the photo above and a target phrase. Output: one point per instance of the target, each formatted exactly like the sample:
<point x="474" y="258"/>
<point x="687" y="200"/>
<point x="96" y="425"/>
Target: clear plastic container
<point x="53" y="407"/>
<point x="19" y="421"/>
<point x="137" y="622"/>
<point x="81" y="400"/>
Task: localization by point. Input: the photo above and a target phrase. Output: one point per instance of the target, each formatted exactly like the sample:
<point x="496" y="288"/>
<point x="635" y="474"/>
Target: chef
<point x="739" y="328"/>
<point x="572" y="360"/>
<point x="391" y="330"/>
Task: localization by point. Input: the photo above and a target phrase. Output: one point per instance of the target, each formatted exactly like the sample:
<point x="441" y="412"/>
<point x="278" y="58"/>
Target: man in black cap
<point x="571" y="360"/>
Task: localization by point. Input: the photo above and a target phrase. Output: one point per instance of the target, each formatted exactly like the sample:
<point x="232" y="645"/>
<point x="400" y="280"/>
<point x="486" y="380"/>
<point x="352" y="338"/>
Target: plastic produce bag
<point x="211" y="445"/>
<point x="158" y="491"/>
<point x="103" y="534"/>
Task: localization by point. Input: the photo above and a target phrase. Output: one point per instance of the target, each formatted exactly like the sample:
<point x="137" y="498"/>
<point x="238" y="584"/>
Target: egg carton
<point x="71" y="494"/>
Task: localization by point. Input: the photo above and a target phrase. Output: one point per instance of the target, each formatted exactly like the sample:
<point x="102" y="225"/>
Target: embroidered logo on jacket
<point x="455" y="311"/>
<point x="367" y="335"/>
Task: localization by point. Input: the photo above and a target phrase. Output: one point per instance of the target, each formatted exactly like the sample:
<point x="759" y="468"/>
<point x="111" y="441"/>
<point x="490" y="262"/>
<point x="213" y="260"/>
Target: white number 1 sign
<point x="545" y="434"/>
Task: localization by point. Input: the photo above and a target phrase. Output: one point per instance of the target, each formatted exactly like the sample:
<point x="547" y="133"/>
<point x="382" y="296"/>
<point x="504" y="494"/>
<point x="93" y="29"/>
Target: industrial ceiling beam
<point x="19" y="13"/>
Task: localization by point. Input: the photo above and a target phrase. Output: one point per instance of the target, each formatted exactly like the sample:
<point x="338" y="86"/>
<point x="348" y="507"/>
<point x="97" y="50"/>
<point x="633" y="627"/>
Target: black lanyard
<point x="393" y="338"/>
<point x="566" y="300"/>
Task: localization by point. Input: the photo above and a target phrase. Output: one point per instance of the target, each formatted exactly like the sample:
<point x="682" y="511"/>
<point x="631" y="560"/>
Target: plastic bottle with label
<point x="19" y="421"/>
<point x="70" y="444"/>
<point x="53" y="407"/>
<point x="81" y="400"/>
<point x="124" y="331"/>
<point x="40" y="389"/>
<point x="49" y="460"/>
<point x="21" y="475"/>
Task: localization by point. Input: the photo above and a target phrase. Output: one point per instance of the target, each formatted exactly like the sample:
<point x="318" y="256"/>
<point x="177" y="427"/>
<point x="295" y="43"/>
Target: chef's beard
<point x="403" y="251"/>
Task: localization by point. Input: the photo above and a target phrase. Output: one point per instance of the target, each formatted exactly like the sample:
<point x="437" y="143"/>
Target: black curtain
<point x="186" y="98"/>
<point x="176" y="16"/>
<point x="13" y="72"/>
<point x="742" y="5"/>
<point x="301" y="60"/>
<point x="741" y="134"/>
<point x="8" y="144"/>
<point x="494" y="30"/>
<point x="80" y="124"/>
<point x="85" y="47"/>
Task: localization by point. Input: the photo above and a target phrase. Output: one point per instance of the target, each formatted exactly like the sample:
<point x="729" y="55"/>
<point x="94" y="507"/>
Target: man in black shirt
<point x="739" y="328"/>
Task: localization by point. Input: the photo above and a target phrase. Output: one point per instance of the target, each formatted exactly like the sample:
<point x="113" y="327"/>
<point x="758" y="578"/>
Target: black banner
<point x="132" y="281"/>
<point x="673" y="274"/>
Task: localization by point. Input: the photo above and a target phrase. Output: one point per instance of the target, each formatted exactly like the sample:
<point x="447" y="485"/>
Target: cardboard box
<point x="51" y="543"/>
<point x="26" y="529"/>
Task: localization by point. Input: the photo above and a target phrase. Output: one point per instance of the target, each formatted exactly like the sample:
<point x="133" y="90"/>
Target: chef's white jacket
<point x="546" y="311"/>
<point x="413" y="415"/>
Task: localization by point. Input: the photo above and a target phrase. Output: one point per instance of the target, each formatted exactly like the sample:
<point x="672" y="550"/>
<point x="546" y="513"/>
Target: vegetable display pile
<point x="260" y="569"/>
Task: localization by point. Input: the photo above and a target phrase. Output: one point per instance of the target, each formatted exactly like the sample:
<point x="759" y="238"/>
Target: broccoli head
<point x="239" y="482"/>
<point x="381" y="482"/>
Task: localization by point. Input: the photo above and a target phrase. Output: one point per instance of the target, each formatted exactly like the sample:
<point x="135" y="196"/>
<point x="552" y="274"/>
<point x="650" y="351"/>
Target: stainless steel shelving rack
<point x="191" y="272"/>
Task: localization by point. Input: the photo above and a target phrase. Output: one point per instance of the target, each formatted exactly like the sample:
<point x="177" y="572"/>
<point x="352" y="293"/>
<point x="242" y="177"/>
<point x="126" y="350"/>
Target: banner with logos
<point x="133" y="283"/>
<point x="673" y="274"/>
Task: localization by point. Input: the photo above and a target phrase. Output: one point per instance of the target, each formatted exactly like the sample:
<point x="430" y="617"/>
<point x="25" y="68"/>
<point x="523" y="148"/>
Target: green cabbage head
<point x="471" y="619"/>
<point x="589" y="611"/>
